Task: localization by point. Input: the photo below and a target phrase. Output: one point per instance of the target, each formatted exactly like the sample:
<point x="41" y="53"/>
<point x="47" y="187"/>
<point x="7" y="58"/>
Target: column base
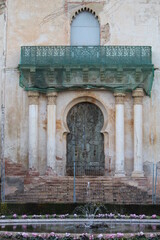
<point x="137" y="174"/>
<point x="50" y="172"/>
<point x="120" y="174"/>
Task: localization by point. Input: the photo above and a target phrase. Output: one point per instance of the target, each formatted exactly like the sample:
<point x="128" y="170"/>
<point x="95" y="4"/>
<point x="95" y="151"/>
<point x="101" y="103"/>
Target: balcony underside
<point x="120" y="68"/>
<point x="48" y="79"/>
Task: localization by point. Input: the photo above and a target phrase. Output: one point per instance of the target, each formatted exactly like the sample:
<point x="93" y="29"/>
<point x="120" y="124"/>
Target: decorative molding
<point x="81" y="78"/>
<point x="85" y="99"/>
<point x="84" y="9"/>
<point x="102" y="74"/>
<point x="120" y="74"/>
<point x="52" y="96"/>
<point x="68" y="71"/>
<point x="138" y="95"/>
<point x="138" y="74"/>
<point x="105" y="129"/>
<point x="33" y="98"/>
<point x="138" y="101"/>
<point x="114" y="68"/>
<point x="119" y="97"/>
<point x="85" y="74"/>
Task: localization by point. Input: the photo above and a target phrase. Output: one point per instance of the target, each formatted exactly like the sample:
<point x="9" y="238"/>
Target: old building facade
<point x="80" y="98"/>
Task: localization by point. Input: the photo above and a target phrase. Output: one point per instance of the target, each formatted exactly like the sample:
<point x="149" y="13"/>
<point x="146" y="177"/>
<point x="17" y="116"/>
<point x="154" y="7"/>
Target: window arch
<point x="85" y="30"/>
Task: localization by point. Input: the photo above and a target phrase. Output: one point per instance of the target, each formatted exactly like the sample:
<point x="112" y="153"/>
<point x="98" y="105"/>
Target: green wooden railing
<point x="85" y="55"/>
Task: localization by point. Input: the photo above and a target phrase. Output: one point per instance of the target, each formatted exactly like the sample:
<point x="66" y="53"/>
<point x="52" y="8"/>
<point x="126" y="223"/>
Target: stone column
<point x="51" y="130"/>
<point x="33" y="130"/>
<point x="138" y="159"/>
<point x="119" y="125"/>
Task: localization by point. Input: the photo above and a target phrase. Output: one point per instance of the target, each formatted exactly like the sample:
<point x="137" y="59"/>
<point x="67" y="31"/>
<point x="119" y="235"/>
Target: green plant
<point x="4" y="208"/>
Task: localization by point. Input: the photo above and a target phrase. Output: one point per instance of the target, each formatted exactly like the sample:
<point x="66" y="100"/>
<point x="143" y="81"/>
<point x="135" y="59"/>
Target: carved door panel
<point x="85" y="142"/>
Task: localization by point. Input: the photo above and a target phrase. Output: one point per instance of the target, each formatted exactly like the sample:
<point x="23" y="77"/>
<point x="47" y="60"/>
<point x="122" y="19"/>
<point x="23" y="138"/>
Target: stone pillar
<point x="33" y="130"/>
<point x="138" y="159"/>
<point x="119" y="125"/>
<point x="51" y="130"/>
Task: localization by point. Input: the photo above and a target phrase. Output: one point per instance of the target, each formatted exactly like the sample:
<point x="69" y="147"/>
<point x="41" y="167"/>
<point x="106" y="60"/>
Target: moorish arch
<point x="85" y="28"/>
<point x="85" y="121"/>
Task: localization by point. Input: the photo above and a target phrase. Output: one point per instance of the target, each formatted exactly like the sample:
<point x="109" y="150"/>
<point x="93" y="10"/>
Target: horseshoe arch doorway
<point x="85" y="142"/>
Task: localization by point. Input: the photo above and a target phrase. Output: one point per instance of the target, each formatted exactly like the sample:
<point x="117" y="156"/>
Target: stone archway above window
<point x="85" y="9"/>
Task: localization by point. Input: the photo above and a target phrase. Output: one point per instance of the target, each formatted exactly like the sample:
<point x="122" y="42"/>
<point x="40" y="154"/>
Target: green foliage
<point x="4" y="209"/>
<point x="68" y="208"/>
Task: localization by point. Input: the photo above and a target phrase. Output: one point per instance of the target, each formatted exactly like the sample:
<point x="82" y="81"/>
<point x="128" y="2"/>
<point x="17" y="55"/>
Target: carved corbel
<point x="119" y="74"/>
<point x="85" y="74"/>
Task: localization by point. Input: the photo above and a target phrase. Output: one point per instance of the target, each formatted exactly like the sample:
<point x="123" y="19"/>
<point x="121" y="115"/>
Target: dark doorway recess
<point x="85" y="142"/>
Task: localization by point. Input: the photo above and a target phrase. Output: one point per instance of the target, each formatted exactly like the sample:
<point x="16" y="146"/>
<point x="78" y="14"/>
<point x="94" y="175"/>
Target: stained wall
<point x="39" y="22"/>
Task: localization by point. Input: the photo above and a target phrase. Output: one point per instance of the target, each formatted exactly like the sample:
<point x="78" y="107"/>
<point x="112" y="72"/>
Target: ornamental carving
<point x="84" y="9"/>
<point x="138" y="95"/>
<point x="85" y="142"/>
<point x="119" y="97"/>
<point x="52" y="98"/>
<point x="99" y="67"/>
<point x="138" y="100"/>
<point x="33" y="98"/>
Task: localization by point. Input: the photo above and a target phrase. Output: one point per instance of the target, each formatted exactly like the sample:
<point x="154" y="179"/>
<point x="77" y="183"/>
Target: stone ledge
<point x="78" y="220"/>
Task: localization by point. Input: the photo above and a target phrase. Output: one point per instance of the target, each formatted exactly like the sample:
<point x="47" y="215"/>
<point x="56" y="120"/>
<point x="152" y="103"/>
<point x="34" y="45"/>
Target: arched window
<point x="85" y="30"/>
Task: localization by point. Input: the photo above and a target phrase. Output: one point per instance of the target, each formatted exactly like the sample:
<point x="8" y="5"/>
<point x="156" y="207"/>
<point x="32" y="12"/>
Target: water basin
<point x="79" y="228"/>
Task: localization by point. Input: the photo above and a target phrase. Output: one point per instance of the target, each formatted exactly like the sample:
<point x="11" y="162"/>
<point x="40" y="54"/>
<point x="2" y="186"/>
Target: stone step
<point x="60" y="189"/>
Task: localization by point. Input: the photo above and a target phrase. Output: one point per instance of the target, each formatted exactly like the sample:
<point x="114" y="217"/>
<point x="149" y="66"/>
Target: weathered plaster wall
<point x="39" y="22"/>
<point x="2" y="57"/>
<point x="16" y="119"/>
<point x="1" y="63"/>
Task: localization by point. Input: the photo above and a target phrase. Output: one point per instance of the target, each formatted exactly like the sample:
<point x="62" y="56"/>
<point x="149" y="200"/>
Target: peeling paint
<point x="58" y="124"/>
<point x="58" y="158"/>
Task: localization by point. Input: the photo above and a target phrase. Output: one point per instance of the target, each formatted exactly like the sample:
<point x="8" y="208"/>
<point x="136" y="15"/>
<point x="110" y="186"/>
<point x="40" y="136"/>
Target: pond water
<point x="82" y="228"/>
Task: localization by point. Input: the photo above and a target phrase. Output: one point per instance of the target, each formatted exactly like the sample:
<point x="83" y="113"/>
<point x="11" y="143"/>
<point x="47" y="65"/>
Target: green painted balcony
<point x="59" y="68"/>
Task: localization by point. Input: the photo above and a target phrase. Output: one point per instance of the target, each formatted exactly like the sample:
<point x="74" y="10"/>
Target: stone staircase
<point x="28" y="186"/>
<point x="43" y="189"/>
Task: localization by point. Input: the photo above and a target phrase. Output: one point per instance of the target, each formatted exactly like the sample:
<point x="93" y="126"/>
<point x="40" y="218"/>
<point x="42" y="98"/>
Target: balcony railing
<point x="85" y="55"/>
<point x="60" y="68"/>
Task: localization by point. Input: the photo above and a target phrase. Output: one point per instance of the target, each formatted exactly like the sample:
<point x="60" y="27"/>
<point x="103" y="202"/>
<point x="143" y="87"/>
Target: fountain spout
<point x="88" y="191"/>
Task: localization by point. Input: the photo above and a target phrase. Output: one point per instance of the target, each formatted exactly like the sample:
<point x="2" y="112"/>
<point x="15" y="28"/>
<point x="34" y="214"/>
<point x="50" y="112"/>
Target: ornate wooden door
<point x="85" y="142"/>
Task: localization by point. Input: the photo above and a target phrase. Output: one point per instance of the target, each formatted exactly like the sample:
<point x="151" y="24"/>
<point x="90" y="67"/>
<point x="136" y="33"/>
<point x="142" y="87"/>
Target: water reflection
<point x="81" y="228"/>
<point x="154" y="227"/>
<point x="14" y="227"/>
<point x="24" y="227"/>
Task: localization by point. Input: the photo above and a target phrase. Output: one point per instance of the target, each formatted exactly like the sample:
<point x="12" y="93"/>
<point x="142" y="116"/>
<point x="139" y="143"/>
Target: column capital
<point x="138" y="95"/>
<point x="119" y="96"/>
<point x="52" y="96"/>
<point x="33" y="98"/>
